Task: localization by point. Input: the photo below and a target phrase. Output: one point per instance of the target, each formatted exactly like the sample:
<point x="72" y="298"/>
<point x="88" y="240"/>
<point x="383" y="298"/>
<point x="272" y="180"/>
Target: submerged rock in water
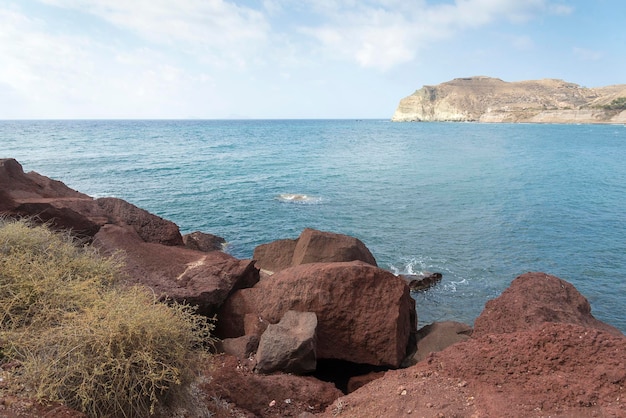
<point x="422" y="281"/>
<point x="201" y="241"/>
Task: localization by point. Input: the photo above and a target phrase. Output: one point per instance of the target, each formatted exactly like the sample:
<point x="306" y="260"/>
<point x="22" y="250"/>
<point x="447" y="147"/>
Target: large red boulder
<point x="312" y="246"/>
<point x="46" y="200"/>
<point x="365" y="314"/>
<point x="21" y="186"/>
<point x="535" y="298"/>
<point x="187" y="276"/>
<point x="276" y="255"/>
<point x="151" y="228"/>
<point x="325" y="247"/>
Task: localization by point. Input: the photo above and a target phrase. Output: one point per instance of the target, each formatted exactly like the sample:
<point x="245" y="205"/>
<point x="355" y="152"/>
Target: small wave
<point x="452" y="285"/>
<point x="298" y="198"/>
<point x="414" y="266"/>
<point x="101" y="195"/>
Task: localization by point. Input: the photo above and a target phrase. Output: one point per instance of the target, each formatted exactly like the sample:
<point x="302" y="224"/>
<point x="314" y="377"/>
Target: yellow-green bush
<point x="44" y="276"/>
<point x="103" y="349"/>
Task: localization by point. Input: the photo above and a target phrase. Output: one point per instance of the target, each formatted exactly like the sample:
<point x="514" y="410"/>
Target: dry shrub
<point x="104" y="350"/>
<point x="45" y="275"/>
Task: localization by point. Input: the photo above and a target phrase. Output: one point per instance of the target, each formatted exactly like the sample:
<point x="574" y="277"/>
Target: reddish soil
<point x="13" y="407"/>
<point x="555" y="370"/>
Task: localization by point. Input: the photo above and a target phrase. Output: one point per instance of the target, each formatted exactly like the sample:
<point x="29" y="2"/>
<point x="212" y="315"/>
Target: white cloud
<point x="561" y="9"/>
<point x="382" y="34"/>
<point x="587" y="54"/>
<point x="224" y="32"/>
<point x="57" y="75"/>
<point x="38" y="64"/>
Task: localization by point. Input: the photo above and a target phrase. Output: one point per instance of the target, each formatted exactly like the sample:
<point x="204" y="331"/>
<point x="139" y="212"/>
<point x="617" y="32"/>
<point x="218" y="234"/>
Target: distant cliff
<point x="486" y="99"/>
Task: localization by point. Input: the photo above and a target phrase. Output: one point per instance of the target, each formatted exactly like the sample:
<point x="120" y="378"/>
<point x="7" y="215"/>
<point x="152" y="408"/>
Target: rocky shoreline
<point x="311" y="326"/>
<point x="491" y="100"/>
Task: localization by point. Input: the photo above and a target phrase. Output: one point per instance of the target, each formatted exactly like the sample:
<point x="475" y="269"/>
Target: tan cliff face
<point x="486" y="99"/>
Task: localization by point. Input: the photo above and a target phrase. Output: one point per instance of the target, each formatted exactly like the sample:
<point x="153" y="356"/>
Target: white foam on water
<point x="101" y="195"/>
<point x="422" y="265"/>
<point x="298" y="198"/>
<point x="452" y="285"/>
<point x="411" y="266"/>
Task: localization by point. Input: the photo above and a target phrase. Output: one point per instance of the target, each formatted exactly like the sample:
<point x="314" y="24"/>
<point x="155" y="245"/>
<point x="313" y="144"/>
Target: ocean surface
<point x="480" y="203"/>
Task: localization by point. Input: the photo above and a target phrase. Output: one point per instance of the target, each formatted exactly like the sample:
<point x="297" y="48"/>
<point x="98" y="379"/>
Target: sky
<point x="287" y="59"/>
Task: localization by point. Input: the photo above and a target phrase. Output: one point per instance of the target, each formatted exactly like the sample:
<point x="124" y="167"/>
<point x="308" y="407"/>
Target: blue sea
<point x="480" y="203"/>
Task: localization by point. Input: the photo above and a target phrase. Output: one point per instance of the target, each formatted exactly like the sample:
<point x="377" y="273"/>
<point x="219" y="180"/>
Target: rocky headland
<point x="311" y="326"/>
<point x="487" y="99"/>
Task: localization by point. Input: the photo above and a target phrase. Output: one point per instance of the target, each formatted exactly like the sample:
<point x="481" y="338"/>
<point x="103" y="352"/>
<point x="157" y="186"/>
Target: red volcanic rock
<point x="201" y="241"/>
<point x="60" y="215"/>
<point x="197" y="278"/>
<point x="241" y="347"/>
<point x="554" y="369"/>
<point x="6" y="201"/>
<point x="289" y="346"/>
<point x="47" y="200"/>
<point x="559" y="362"/>
<point x="254" y="324"/>
<point x="33" y="195"/>
<point x="365" y="314"/>
<point x="151" y="228"/>
<point x="534" y="298"/>
<point x="325" y="247"/>
<point x="21" y="186"/>
<point x="238" y="311"/>
<point x="438" y="336"/>
<point x="356" y="382"/>
<point x="257" y="395"/>
<point x="422" y="281"/>
<point x="312" y="246"/>
<point x="276" y="255"/>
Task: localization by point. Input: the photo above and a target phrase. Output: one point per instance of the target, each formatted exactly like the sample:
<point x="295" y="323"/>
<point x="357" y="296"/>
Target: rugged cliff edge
<point x="534" y="351"/>
<point x="486" y="99"/>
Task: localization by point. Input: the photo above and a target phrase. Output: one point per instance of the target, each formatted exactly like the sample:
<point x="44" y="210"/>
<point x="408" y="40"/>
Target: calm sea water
<point x="480" y="203"/>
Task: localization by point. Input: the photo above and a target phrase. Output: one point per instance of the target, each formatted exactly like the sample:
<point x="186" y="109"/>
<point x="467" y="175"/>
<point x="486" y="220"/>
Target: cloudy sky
<point x="217" y="59"/>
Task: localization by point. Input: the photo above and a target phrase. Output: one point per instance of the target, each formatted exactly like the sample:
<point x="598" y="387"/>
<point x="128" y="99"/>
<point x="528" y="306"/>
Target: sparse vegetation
<point x="617" y="104"/>
<point x="83" y="340"/>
